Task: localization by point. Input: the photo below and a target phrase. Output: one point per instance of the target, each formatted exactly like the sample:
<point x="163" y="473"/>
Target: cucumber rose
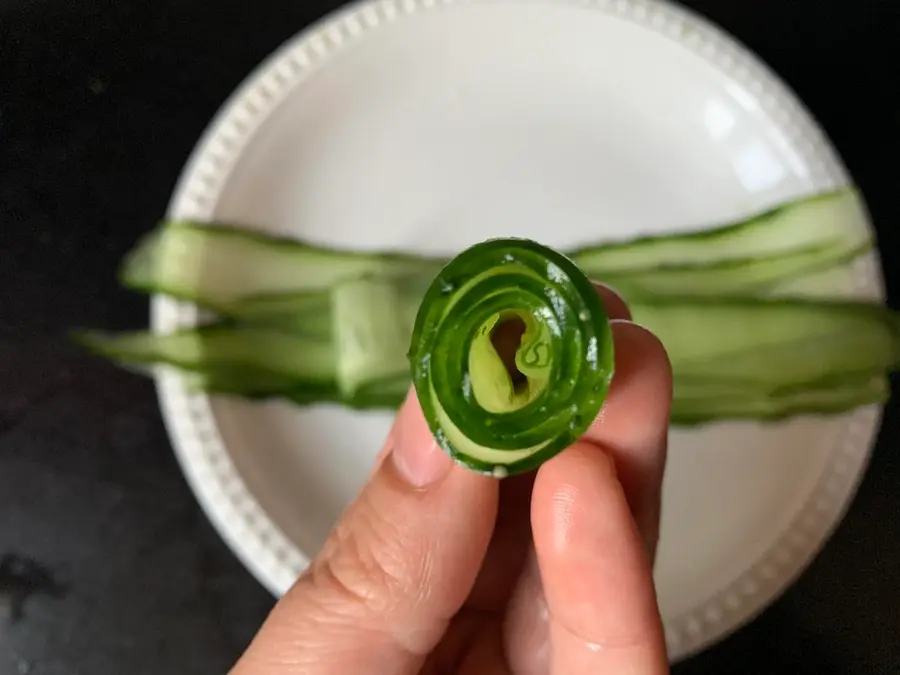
<point x="511" y="355"/>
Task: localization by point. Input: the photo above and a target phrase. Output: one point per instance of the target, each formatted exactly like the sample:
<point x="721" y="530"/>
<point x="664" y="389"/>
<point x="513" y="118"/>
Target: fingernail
<point x="416" y="456"/>
<point x="612" y="289"/>
<point x="616" y="304"/>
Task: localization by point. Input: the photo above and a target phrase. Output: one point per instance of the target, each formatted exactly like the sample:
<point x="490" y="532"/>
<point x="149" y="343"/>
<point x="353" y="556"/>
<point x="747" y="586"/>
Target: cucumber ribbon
<point x="511" y="355"/>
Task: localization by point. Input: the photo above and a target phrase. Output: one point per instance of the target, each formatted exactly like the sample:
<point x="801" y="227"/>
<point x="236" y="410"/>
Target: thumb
<point x="393" y="572"/>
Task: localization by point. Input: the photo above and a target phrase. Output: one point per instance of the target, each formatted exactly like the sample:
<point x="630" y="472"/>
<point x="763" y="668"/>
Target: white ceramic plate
<point x="429" y="125"/>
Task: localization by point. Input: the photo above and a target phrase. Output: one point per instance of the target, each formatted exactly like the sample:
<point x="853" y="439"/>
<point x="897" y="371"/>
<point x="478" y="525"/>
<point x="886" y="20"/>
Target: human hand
<point x="434" y="569"/>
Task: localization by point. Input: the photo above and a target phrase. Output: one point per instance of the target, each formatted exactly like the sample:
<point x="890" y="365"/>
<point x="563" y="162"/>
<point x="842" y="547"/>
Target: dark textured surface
<point x="100" y="103"/>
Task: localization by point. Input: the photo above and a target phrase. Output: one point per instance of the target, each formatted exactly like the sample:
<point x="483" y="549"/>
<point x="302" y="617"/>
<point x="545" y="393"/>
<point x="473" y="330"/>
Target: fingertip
<point x="638" y="344"/>
<point x="613" y="301"/>
<point x="415" y="454"/>
<point x="596" y="573"/>
<point x="636" y="410"/>
<point x="564" y="486"/>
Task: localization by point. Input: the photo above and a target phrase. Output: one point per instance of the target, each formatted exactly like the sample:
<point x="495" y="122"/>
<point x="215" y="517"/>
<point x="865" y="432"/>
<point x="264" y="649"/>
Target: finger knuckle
<point x="365" y="570"/>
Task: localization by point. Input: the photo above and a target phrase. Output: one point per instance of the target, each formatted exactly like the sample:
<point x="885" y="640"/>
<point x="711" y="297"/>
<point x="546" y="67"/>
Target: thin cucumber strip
<point x="832" y="218"/>
<point x="214" y="265"/>
<point x="773" y="343"/>
<point x="368" y="329"/>
<point x="307" y="313"/>
<point x="310" y="313"/>
<point x="386" y="395"/>
<point x="218" y="266"/>
<point x="252" y="384"/>
<point x="694" y="405"/>
<point x="511" y="356"/>
<point x="246" y="361"/>
<point x="226" y="353"/>
<point x="730" y="277"/>
<point x="258" y="308"/>
<point x="832" y="283"/>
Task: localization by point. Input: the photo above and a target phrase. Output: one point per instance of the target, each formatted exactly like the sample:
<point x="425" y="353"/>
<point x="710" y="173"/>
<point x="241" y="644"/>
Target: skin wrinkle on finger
<point x="364" y="581"/>
<point x="373" y="568"/>
<point x="564" y="500"/>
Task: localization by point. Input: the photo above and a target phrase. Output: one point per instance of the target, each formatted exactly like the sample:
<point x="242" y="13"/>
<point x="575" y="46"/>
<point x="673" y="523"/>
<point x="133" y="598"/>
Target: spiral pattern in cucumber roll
<point x="511" y="355"/>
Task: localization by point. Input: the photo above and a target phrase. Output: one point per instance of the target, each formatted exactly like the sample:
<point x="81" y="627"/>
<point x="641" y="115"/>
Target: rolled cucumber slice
<point x="511" y="355"/>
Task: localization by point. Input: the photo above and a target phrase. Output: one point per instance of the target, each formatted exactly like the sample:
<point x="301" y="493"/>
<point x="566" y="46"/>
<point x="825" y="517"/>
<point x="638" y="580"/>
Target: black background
<point x="100" y="104"/>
